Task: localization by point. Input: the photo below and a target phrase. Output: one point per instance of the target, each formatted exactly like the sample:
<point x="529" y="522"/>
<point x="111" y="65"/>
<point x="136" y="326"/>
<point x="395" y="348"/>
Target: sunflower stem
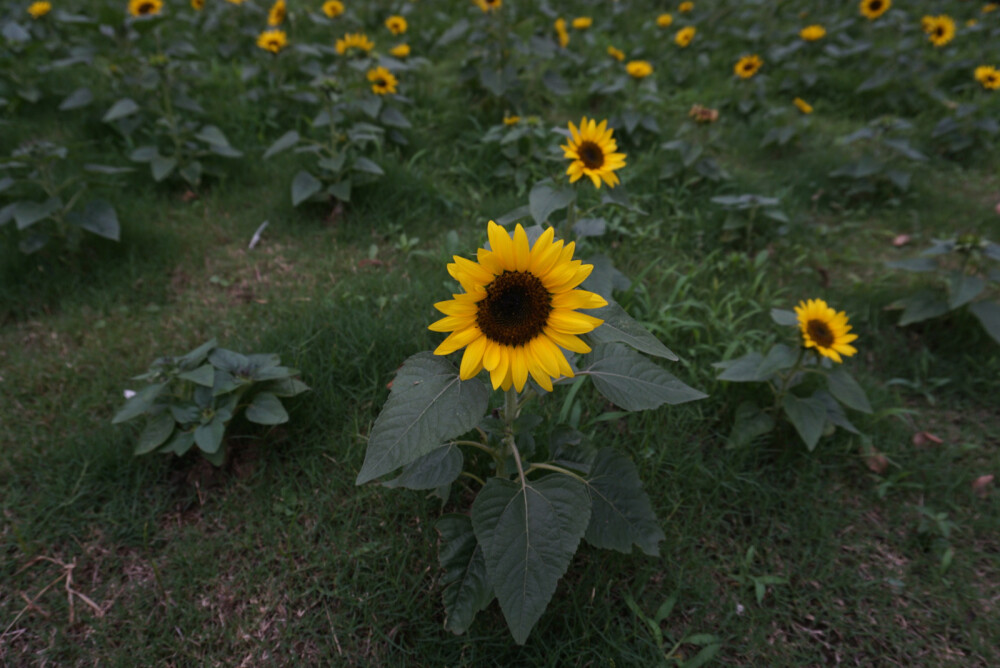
<point x="473" y="476"/>
<point x="780" y="394"/>
<point x="510" y="410"/>
<point x="570" y="218"/>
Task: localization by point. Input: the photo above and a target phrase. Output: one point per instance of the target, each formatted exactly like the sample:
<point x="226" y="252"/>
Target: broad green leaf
<point x="784" y="318"/>
<point x="341" y="190"/>
<point x="847" y="391"/>
<point x="466" y="587"/>
<point x="621" y="514"/>
<point x="920" y="307"/>
<point x="631" y="381"/>
<point x="706" y="654"/>
<point x="394" y="118"/>
<point x="778" y="358"/>
<point x="605" y="278"/>
<point x="435" y="469"/>
<point x="286" y="387"/>
<point x="529" y="533"/>
<point x="208" y="437"/>
<point x="266" y="409"/>
<point x="427" y="406"/>
<point x="808" y="416"/>
<point x="5" y="184"/>
<point x="620" y="327"/>
<point x="203" y="375"/>
<point x="156" y="433"/>
<point x="963" y="288"/>
<point x="180" y="443"/>
<point x="749" y="423"/>
<point x="197" y="356"/>
<point x="590" y="227"/>
<point x="835" y="412"/>
<point x="144" y="154"/>
<point x="211" y="134"/>
<point x="185" y="414"/>
<point x="362" y="164"/>
<point x="27" y="213"/>
<point x="139" y="404"/>
<point x="988" y="314"/>
<point x="81" y="97"/>
<point x="97" y="217"/>
<point x="120" y="109"/>
<point x="304" y="186"/>
<point x="545" y="199"/>
<point x="229" y="360"/>
<point x="742" y="369"/>
<point x="161" y="167"/>
<point x="916" y="264"/>
<point x="106" y="169"/>
<point x="283" y="143"/>
<point x="191" y="172"/>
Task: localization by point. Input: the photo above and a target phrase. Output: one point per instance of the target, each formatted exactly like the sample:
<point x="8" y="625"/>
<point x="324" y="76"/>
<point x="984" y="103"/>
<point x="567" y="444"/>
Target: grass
<point x="279" y="559"/>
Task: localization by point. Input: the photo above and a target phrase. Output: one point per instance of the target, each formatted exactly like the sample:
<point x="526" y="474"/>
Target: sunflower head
<point x="511" y="120"/>
<point x="276" y="16"/>
<point x="872" y="9"/>
<point x="593" y="153"/>
<point x="988" y="76"/>
<point x="488" y="5"/>
<point x="383" y="81"/>
<point x="39" y="9"/>
<point x="812" y="33"/>
<point x="139" y="8"/>
<point x="685" y="7"/>
<point x="684" y="36"/>
<point x="664" y="20"/>
<point x="747" y="66"/>
<point x="561" y="33"/>
<point x="354" y="41"/>
<point x="272" y="40"/>
<point x="396" y="24"/>
<point x="519" y="310"/>
<point x="617" y="54"/>
<point x="400" y="51"/>
<point x="582" y="22"/>
<point x="824" y="330"/>
<point x="333" y="8"/>
<point x="639" y="69"/>
<point x="940" y="30"/>
<point x="802" y="105"/>
<point x="197" y="5"/>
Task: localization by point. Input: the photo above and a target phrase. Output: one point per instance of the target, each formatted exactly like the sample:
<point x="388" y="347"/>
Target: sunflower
<point x="802" y="105"/>
<point x="333" y="8"/>
<point x="664" y="20"/>
<point x="747" y="66"/>
<point x="812" y="33"/>
<point x="39" y="9"/>
<point x="511" y="120"/>
<point x="684" y="36"/>
<point x="145" y="7"/>
<point x="988" y="76"/>
<point x="488" y="5"/>
<point x="383" y="81"/>
<point x="872" y="9"/>
<point x="617" y="54"/>
<point x="272" y="40"/>
<point x="825" y="330"/>
<point x="396" y="24"/>
<point x="276" y="16"/>
<point x="638" y="69"/>
<point x="561" y="33"/>
<point x="356" y="40"/>
<point x="942" y="31"/>
<point x="400" y="51"/>
<point x="927" y="23"/>
<point x="685" y="7"/>
<point x="519" y="310"/>
<point x="582" y="22"/>
<point x="593" y="152"/>
<point x="197" y="5"/>
<point x="991" y="7"/>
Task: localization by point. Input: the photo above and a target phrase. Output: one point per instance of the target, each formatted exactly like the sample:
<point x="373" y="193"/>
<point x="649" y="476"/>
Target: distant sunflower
<point x="396" y="25"/>
<point x="488" y="5"/>
<point x="400" y="51"/>
<point x="197" y="5"/>
<point x="276" y="16"/>
<point x="812" y="33"/>
<point x="747" y="66"/>
<point x="333" y="8"/>
<point x="594" y="153"/>
<point x="617" y="54"/>
<point x="684" y="36"/>
<point x="357" y="40"/>
<point x="519" y="310"/>
<point x="802" y="105"/>
<point x="272" y="40"/>
<point x="685" y="7"/>
<point x="825" y="330"/>
<point x="145" y="7"/>
<point x="991" y="7"/>
<point x="942" y="31"/>
<point x="582" y="22"/>
<point x="511" y="120"/>
<point x="872" y="9"/>
<point x="383" y="81"/>
<point x="39" y="9"/>
<point x="639" y="69"/>
<point x="664" y="21"/>
<point x="988" y="76"/>
<point x="561" y="33"/>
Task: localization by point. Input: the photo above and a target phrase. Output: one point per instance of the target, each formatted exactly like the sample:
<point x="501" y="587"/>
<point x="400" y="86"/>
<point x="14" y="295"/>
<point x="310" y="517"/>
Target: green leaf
<point x="394" y="118"/>
<point x="621" y="513"/>
<point x="778" y="358"/>
<point x="529" y="533"/>
<point x="620" y="327"/>
<point x="847" y="391"/>
<point x="198" y="355"/>
<point x="706" y="654"/>
<point x="808" y="416"/>
<point x="139" y="404"/>
<point x="81" y="97"/>
<point x="544" y="200"/>
<point x="97" y="217"/>
<point x="467" y="589"/>
<point x="749" y="423"/>
<point x="180" y="443"/>
<point x="266" y="409"/>
<point x="341" y="190"/>
<point x="120" y="109"/>
<point x="161" y="167"/>
<point x="211" y="134"/>
<point x="427" y="406"/>
<point x="27" y="213"/>
<point x="144" y="154"/>
<point x="191" y="172"/>
<point x="283" y="143"/>
<point x="203" y="375"/>
<point x="156" y="433"/>
<point x="362" y="164"/>
<point x="963" y="288"/>
<point x="435" y="469"/>
<point x="208" y="437"/>
<point x="304" y="186"/>
<point x="742" y="369"/>
<point x="920" y="307"/>
<point x="228" y="360"/>
<point x="286" y="387"/>
<point x="915" y="264"/>
<point x="784" y="318"/>
<point x="988" y="314"/>
<point x="629" y="380"/>
<point x="605" y="278"/>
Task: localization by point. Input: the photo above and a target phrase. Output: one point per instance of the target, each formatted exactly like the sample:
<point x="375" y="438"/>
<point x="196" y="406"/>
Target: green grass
<point x="279" y="559"/>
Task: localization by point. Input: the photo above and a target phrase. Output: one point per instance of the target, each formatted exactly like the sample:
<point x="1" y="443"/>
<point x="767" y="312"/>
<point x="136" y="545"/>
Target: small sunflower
<point x="617" y="54"/>
<point x="276" y="16"/>
<point x="511" y="120"/>
<point x="396" y="24"/>
<point x="593" y="152"/>
<point x="685" y="7"/>
<point x="520" y="309"/>
<point x="39" y="9"/>
<point x="383" y="81"/>
<point x="988" y="76"/>
<point x="802" y="105"/>
<point x="145" y="7"/>
<point x="639" y="69"/>
<point x="942" y="31"/>
<point x="356" y="40"/>
<point x="872" y="9"/>
<point x="272" y="40"/>
<point x="812" y="33"/>
<point x="561" y="33"/>
<point x="400" y="51"/>
<point x="664" y="20"/>
<point x="582" y="22"/>
<point x="991" y="7"/>
<point x="747" y="66"/>
<point x="684" y="36"/>
<point x="197" y="5"/>
<point x="825" y="330"/>
<point x="333" y="8"/>
<point x="488" y="5"/>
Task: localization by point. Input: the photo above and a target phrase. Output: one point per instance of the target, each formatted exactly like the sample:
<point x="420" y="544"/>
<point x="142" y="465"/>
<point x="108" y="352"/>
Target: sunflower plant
<point x="809" y="386"/>
<point x="885" y="146"/>
<point x="528" y="325"/>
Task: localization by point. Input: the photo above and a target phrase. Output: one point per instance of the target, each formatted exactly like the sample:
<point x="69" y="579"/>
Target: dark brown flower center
<point x="747" y="66"/>
<point x="591" y="155"/>
<point x="875" y="5"/>
<point x="380" y="83"/>
<point x="820" y="332"/>
<point x="146" y="7"/>
<point x="939" y="31"/>
<point x="516" y="308"/>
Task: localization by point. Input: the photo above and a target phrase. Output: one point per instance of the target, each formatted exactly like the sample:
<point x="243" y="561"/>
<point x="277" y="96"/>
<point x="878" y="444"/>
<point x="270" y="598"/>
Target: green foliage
<point x="191" y="399"/>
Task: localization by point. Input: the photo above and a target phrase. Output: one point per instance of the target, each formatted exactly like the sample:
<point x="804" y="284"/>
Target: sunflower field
<point x="496" y="332"/>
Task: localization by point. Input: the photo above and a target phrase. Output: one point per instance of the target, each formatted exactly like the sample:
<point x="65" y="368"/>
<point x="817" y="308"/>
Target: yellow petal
<point x="458" y="339"/>
<point x="572" y="322"/>
<point x="472" y="360"/>
<point x="519" y="368"/>
<point x="522" y="255"/>
<point x="501" y="245"/>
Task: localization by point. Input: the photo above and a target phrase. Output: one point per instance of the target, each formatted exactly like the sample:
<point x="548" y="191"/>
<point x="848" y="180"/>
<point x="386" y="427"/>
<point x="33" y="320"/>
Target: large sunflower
<point x="825" y="330"/>
<point x="383" y="81"/>
<point x="272" y="40"/>
<point x="145" y="7"/>
<point x="357" y="40"/>
<point x="747" y="66"/>
<point x="594" y="153"/>
<point x="519" y="310"/>
<point x="276" y="16"/>
<point x="872" y="9"/>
